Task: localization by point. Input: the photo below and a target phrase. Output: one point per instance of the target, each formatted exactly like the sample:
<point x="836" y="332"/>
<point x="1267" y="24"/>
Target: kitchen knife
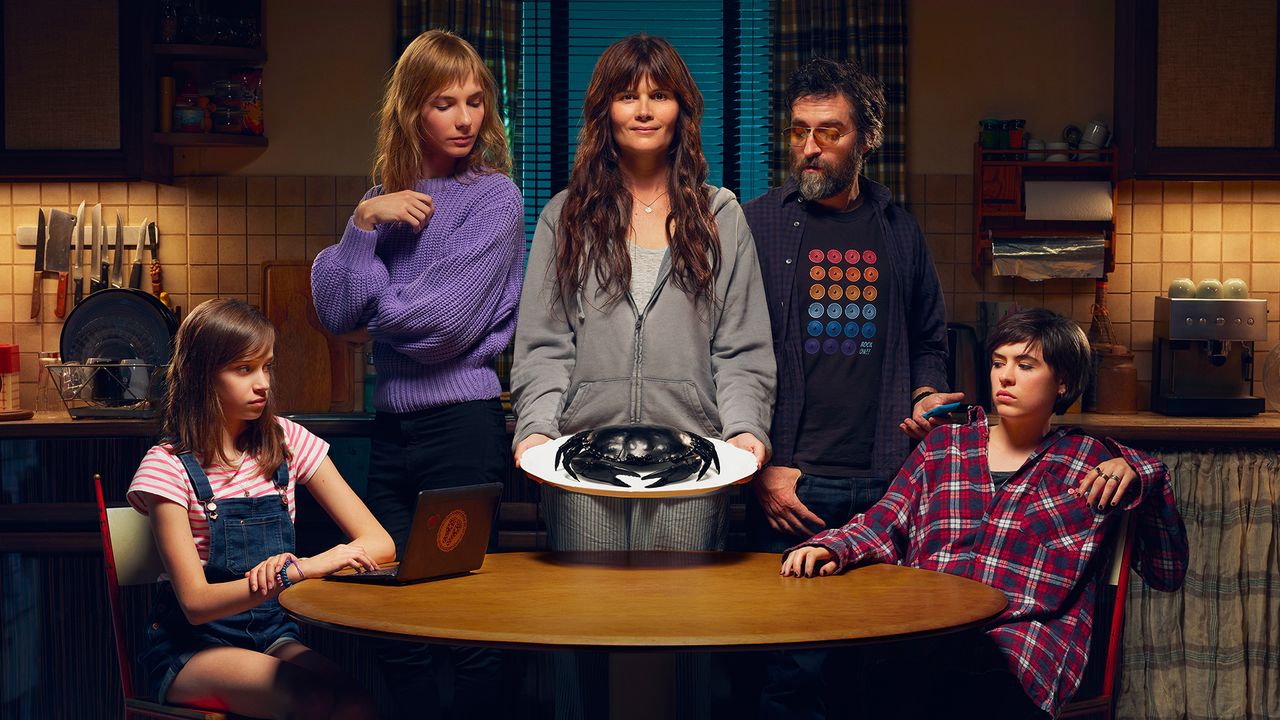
<point x="57" y="255"/>
<point x="135" y="270"/>
<point x="157" y="279"/>
<point x="117" y="260"/>
<point x="35" y="286"/>
<point x="97" y="258"/>
<point x="77" y="272"/>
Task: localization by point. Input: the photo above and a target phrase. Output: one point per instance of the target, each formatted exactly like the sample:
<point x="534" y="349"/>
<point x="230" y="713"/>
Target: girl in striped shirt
<point x="220" y="493"/>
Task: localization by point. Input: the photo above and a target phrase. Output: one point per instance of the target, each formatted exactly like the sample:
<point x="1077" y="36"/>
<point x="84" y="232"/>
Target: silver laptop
<point x="448" y="537"/>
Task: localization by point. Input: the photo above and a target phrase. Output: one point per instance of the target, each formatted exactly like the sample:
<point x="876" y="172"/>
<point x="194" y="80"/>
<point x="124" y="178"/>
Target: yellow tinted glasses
<point x="823" y="136"/>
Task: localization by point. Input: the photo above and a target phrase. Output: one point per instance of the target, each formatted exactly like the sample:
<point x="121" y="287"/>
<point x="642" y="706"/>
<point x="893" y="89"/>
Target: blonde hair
<point x="432" y="62"/>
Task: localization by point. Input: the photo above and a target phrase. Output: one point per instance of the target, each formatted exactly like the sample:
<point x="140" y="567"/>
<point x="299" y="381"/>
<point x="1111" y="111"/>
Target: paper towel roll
<point x="1078" y="200"/>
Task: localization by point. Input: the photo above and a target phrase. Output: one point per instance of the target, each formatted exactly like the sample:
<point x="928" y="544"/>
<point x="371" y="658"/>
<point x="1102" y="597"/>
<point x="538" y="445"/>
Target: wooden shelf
<point x="998" y="178"/>
<point x="252" y="56"/>
<point x="183" y="139"/>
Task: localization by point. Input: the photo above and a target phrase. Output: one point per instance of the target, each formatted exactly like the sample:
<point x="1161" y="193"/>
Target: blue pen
<point x="943" y="410"/>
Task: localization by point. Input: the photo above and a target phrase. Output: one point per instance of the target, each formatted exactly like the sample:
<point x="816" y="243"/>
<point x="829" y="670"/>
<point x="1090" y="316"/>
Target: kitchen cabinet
<point x="72" y="104"/>
<point x="81" y="96"/>
<point x="999" y="177"/>
<point x="1197" y="88"/>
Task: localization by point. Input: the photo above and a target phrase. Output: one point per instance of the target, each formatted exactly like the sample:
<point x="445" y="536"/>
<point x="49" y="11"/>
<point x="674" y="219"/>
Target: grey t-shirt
<point x="645" y="263"/>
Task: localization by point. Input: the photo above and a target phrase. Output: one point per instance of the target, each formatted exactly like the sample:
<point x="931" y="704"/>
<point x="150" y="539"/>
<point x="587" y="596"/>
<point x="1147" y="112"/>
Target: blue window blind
<point x="726" y="43"/>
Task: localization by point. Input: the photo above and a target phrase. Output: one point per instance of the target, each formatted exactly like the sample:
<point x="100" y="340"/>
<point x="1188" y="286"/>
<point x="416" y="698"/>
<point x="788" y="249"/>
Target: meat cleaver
<point x="57" y="254"/>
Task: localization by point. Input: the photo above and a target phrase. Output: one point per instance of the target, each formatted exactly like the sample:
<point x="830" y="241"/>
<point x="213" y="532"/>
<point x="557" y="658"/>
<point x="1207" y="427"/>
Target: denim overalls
<point x="242" y="533"/>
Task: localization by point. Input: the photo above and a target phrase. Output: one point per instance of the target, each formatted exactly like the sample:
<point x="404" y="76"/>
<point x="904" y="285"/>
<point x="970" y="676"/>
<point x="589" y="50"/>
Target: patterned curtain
<point x="1212" y="649"/>
<point x="872" y="32"/>
<point x="491" y="26"/>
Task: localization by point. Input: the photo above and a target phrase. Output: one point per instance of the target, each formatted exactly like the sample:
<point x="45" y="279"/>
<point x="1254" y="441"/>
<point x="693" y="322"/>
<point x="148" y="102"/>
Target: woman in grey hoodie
<point x="643" y="303"/>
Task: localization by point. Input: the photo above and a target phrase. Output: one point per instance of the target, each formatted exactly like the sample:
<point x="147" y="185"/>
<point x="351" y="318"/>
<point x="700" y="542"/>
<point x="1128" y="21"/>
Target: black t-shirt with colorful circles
<point x="842" y="285"/>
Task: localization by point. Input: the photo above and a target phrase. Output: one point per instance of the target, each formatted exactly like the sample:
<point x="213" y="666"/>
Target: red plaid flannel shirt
<point x="1029" y="539"/>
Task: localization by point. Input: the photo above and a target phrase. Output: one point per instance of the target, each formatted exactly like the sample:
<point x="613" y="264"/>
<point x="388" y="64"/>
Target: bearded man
<point x="859" y="334"/>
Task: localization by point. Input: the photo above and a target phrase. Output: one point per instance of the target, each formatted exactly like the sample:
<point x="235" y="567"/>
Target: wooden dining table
<point x="651" y="602"/>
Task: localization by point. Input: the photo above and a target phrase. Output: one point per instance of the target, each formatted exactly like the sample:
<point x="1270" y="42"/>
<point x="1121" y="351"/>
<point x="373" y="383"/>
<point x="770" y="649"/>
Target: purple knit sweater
<point x="440" y="304"/>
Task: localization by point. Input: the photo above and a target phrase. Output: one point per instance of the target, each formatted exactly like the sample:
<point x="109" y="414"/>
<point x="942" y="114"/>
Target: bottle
<point x="46" y="393"/>
<point x="1102" y="339"/>
<point x="168" y="22"/>
<point x="166" y="103"/>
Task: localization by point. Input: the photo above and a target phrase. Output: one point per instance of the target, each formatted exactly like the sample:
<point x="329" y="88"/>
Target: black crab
<point x="650" y="452"/>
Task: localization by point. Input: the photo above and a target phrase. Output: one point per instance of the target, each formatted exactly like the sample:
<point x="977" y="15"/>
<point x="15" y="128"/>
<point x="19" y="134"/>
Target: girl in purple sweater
<point x="431" y="265"/>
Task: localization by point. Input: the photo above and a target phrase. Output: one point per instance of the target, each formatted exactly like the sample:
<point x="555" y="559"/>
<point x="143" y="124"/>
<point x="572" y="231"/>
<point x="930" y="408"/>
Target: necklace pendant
<point x="649" y="210"/>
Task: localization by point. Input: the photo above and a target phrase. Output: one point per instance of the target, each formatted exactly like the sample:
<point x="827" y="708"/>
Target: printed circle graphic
<point x="854" y="274"/>
<point x="852" y="293"/>
<point x="871" y="274"/>
<point x="849" y="347"/>
<point x="834" y="328"/>
<point x="815" y="310"/>
<point x="815" y="256"/>
<point x="811" y="346"/>
<point x="816" y="273"/>
<point x="869" y="257"/>
<point x="835" y="292"/>
<point x="829" y="347"/>
<point x="452" y="530"/>
<point x="834" y="256"/>
<point x="852" y="256"/>
<point x="835" y="273"/>
<point x="868" y="330"/>
<point x="869" y="311"/>
<point x="817" y="291"/>
<point x="814" y="327"/>
<point x="851" y="329"/>
<point x="869" y="293"/>
<point x="851" y="311"/>
<point x="834" y="310"/>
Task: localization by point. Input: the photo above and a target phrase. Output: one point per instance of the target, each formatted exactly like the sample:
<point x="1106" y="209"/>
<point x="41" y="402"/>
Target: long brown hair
<point x="434" y="60"/>
<point x="595" y="217"/>
<point x="216" y="334"/>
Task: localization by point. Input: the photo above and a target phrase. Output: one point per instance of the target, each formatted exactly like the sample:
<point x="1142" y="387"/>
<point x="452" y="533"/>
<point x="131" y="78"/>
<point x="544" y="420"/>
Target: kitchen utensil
<point x="305" y="353"/>
<point x="35" y="284"/>
<point x="117" y="259"/>
<point x="135" y="270"/>
<point x="57" y="255"/>
<point x="1182" y="288"/>
<point x="98" y="255"/>
<point x="77" y="272"/>
<point x="157" y="282"/>
<point x="1235" y="289"/>
<point x="119" y="324"/>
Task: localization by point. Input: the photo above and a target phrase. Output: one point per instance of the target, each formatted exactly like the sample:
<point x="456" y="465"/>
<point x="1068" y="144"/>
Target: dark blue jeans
<point x="793" y="684"/>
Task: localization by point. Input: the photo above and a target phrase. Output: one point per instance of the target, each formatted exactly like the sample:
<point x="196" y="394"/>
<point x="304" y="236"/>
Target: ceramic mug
<point x="1057" y="151"/>
<point x="1235" y="289"/>
<point x="1096" y="132"/>
<point x="1182" y="288"/>
<point x="1209" y="289"/>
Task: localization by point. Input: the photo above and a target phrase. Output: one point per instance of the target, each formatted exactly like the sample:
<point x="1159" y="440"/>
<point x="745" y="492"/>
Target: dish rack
<point x="125" y="389"/>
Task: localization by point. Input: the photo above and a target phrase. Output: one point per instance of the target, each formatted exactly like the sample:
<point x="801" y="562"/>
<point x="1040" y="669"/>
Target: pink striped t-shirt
<point x="162" y="474"/>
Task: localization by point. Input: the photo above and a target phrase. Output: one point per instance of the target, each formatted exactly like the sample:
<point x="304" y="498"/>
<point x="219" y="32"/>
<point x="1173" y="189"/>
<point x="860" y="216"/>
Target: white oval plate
<point x="735" y="464"/>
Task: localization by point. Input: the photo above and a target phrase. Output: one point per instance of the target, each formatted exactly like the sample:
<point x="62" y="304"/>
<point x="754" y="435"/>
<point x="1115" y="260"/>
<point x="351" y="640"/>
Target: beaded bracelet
<point x="283" y="575"/>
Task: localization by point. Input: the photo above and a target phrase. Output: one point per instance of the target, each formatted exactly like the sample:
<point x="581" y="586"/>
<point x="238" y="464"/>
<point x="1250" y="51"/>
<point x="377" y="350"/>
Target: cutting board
<point x="313" y="368"/>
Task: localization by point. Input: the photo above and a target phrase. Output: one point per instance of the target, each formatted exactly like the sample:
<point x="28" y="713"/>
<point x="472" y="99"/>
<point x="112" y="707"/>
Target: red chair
<point x="1108" y="632"/>
<point x="130" y="557"/>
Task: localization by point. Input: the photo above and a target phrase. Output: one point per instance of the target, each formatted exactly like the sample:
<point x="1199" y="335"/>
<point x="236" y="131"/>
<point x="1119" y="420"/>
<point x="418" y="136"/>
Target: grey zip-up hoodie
<point x="581" y="364"/>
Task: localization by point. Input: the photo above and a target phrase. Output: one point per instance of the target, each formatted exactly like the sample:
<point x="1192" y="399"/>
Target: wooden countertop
<point x="1139" y="426"/>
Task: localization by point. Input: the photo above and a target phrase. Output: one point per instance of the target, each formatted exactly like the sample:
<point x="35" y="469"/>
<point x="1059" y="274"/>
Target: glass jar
<point x="228" y="120"/>
<point x="227" y="94"/>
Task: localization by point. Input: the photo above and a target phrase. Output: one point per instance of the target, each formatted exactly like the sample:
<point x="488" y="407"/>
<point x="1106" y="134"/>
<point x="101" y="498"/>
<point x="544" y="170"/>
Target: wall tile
<point x="1170" y="271"/>
<point x="1124" y="192"/>
<point x="6" y="194"/>
<point x="231" y="190"/>
<point x="1177" y="192"/>
<point x="1176" y="247"/>
<point x="261" y="191"/>
<point x="1147" y="218"/>
<point x="320" y="189"/>
<point x="202" y="250"/>
<point x="1236" y="247"/>
<point x="1266" y="191"/>
<point x="1148" y="191"/>
<point x="350" y="188"/>
<point x="55" y="195"/>
<point x="143" y="193"/>
<point x="290" y="220"/>
<point x="319" y="220"/>
<point x="1206" y="192"/>
<point x="204" y="279"/>
<point x="1266" y="278"/>
<point x="1206" y="247"/>
<point x="171" y="195"/>
<point x="1266" y="247"/>
<point x="1119" y="281"/>
<point x="291" y="247"/>
<point x="83" y="191"/>
<point x="1177" y="217"/>
<point x="231" y="220"/>
<point x="171" y="218"/>
<point x="940" y="189"/>
<point x="1237" y="217"/>
<point x="260" y="248"/>
<point x="1203" y="270"/>
<point x="231" y="250"/>
<point x="1244" y="271"/>
<point x="202" y="190"/>
<point x="1206" y="217"/>
<point x="1142" y="306"/>
<point x="261" y="220"/>
<point x="1266" y="218"/>
<point x="915" y="190"/>
<point x="232" y="280"/>
<point x="202" y="220"/>
<point x="1123" y="248"/>
<point x="1237" y="191"/>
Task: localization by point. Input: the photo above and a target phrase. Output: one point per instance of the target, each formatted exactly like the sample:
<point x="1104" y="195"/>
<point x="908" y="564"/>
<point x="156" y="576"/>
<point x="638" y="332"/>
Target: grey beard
<point x="829" y="180"/>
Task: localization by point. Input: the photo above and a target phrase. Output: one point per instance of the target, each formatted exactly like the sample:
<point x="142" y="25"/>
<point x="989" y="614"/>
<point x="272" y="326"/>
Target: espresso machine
<point x="1202" y="356"/>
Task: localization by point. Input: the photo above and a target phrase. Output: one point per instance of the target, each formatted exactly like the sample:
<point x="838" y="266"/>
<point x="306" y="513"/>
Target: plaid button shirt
<point x="914" y="328"/>
<point x="1029" y="539"/>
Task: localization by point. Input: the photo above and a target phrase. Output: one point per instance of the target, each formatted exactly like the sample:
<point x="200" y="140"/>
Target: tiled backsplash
<point x="214" y="234"/>
<point x="1164" y="230"/>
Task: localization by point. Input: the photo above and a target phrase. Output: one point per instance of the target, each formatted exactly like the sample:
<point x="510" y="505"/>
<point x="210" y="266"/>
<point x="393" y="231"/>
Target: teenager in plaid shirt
<point x="1023" y="508"/>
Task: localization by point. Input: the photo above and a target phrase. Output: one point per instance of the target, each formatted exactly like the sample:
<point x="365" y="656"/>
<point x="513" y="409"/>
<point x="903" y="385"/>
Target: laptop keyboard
<point x="381" y="571"/>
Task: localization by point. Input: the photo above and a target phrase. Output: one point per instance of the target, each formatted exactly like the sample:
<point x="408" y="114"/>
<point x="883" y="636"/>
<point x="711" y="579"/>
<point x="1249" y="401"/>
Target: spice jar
<point x="1117" y="382"/>
<point x="228" y="120"/>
